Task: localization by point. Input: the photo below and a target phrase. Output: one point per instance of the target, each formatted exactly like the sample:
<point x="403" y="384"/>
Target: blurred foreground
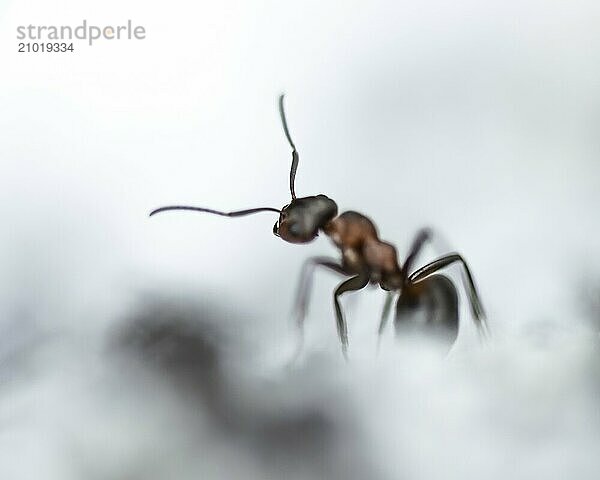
<point x="168" y="392"/>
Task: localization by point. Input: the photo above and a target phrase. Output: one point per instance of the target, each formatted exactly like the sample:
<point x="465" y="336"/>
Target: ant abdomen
<point x="430" y="306"/>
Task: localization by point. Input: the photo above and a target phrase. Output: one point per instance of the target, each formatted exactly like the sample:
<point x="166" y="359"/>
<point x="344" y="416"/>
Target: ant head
<point x="300" y="220"/>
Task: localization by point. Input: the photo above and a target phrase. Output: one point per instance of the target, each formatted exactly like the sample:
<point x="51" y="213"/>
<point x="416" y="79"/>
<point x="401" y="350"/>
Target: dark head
<point x="300" y="220"/>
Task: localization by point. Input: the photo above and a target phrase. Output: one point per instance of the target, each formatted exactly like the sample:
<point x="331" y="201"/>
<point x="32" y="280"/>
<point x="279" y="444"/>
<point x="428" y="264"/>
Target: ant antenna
<point x="237" y="213"/>
<point x="295" y="157"/>
<point x="251" y="211"/>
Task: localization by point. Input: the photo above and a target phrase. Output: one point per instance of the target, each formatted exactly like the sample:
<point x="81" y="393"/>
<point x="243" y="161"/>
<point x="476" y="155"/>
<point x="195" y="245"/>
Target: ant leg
<point x="306" y="277"/>
<point x="384" y="316"/>
<point x="421" y="238"/>
<point x="303" y="293"/>
<point x="352" y="284"/>
<point x="474" y="301"/>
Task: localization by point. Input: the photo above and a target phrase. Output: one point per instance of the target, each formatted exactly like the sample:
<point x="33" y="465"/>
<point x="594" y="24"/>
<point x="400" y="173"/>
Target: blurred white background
<point x="479" y="119"/>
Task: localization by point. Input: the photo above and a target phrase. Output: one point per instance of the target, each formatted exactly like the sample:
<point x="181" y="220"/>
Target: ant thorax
<point x="356" y="236"/>
<point x="350" y="230"/>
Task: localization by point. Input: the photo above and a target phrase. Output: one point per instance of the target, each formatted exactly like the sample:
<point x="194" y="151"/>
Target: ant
<point x="424" y="294"/>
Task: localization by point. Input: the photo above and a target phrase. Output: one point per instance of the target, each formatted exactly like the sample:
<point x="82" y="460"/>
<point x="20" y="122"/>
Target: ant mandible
<point x="366" y="259"/>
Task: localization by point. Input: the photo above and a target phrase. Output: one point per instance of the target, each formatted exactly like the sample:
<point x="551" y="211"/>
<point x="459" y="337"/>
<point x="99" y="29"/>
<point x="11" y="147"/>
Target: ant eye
<point x="295" y="229"/>
<point x="276" y="229"/>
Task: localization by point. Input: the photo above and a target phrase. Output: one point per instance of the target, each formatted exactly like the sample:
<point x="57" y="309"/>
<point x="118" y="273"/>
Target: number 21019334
<point x="45" y="47"/>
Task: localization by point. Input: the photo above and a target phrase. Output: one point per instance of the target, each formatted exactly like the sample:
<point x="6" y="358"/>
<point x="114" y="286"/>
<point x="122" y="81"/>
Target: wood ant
<point x="425" y="296"/>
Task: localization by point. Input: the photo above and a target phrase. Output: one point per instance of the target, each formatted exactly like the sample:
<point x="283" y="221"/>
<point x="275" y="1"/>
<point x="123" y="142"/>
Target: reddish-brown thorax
<point x="362" y="250"/>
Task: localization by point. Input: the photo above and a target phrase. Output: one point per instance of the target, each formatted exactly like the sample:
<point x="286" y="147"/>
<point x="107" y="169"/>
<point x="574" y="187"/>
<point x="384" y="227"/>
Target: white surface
<point x="477" y="118"/>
